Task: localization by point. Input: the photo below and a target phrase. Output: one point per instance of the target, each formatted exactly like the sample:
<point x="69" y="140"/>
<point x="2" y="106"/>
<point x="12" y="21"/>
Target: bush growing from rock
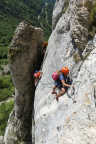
<point x="5" y="109"/>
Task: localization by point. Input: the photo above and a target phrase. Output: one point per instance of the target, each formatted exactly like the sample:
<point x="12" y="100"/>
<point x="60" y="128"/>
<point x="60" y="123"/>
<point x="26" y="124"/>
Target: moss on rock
<point x="76" y="57"/>
<point x="12" y="53"/>
<point x="5" y="109"/>
<point x="65" y="6"/>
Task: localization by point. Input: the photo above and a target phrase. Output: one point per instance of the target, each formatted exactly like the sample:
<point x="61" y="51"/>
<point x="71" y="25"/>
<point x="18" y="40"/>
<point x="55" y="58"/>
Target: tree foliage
<point x="14" y="11"/>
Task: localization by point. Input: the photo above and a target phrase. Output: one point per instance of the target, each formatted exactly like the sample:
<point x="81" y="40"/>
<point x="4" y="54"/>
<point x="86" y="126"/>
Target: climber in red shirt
<point x="37" y="77"/>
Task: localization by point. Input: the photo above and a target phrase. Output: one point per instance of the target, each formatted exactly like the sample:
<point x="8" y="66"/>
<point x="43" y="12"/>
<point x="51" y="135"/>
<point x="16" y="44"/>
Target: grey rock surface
<point x="1" y="140"/>
<point x="80" y="28"/>
<point x="72" y="120"/>
<point x="25" y="55"/>
<point x="57" y="12"/>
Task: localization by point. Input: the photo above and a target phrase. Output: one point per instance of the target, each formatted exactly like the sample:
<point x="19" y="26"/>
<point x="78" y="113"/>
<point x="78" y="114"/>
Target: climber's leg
<point x="54" y="88"/>
<point x="62" y="91"/>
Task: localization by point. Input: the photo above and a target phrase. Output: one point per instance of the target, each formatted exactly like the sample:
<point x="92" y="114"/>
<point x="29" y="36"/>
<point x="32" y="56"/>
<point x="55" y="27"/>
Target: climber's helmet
<point x="65" y="70"/>
<point x="44" y="44"/>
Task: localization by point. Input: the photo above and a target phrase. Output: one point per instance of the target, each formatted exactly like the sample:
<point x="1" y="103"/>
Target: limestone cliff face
<point x="25" y="55"/>
<point x="62" y="122"/>
<point x="66" y="122"/>
<point x="57" y="12"/>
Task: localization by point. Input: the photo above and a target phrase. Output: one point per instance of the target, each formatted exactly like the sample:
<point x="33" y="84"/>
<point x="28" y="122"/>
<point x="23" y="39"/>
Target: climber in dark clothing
<point x="62" y="82"/>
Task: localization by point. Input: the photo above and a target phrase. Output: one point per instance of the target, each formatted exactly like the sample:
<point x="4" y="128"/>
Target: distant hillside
<point x="12" y="12"/>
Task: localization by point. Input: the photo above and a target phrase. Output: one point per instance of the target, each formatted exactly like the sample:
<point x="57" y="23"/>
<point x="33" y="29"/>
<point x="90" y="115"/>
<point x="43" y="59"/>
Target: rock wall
<point x="1" y="140"/>
<point x="25" y="55"/>
<point x="66" y="122"/>
<point x="71" y="120"/>
<point x="57" y="12"/>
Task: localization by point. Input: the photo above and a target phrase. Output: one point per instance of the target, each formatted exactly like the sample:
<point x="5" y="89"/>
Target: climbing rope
<point x="72" y="93"/>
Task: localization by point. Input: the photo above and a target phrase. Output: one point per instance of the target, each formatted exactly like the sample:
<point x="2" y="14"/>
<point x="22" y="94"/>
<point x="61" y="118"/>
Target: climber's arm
<point x="64" y="84"/>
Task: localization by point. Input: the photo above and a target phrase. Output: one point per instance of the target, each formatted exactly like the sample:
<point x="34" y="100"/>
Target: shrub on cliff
<point x="92" y="18"/>
<point x="6" y="87"/>
<point x="5" y="109"/>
